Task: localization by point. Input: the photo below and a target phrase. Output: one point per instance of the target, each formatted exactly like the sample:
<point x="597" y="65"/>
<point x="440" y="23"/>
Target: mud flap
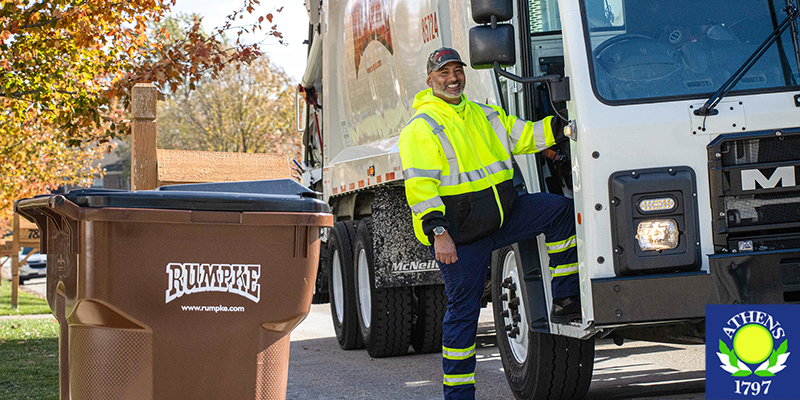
<point x="400" y="259"/>
<point x="529" y="262"/>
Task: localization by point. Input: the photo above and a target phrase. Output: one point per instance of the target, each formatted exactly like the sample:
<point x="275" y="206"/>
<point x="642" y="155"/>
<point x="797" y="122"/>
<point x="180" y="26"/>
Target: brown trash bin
<point x="189" y="292"/>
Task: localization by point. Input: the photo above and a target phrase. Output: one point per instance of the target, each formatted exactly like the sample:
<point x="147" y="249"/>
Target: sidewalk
<point x="35" y="316"/>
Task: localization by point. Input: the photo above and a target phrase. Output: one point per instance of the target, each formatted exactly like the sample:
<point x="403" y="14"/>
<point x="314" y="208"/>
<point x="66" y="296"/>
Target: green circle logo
<point x="753" y="343"/>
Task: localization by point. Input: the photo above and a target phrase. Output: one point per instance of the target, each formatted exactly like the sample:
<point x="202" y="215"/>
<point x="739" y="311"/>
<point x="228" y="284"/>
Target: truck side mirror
<point x="491" y="42"/>
<point x="483" y="10"/>
<point x="487" y="45"/>
<point x="492" y="45"/>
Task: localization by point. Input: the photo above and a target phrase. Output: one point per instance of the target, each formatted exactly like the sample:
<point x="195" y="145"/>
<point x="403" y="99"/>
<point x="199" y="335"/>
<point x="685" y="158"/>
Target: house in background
<point x="117" y="164"/>
<point x="118" y="168"/>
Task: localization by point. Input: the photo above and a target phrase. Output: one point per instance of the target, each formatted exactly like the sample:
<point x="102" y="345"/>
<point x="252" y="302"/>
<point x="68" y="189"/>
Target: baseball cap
<point x="442" y="56"/>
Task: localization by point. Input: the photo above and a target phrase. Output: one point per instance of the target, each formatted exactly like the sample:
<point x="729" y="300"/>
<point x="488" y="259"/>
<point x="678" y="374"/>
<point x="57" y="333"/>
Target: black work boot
<point x="566" y="310"/>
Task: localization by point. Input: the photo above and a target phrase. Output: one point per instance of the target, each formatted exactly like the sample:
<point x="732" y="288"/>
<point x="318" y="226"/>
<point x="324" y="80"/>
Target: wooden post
<point x="15" y="265"/>
<point x="5" y="251"/>
<point x="144" y="161"/>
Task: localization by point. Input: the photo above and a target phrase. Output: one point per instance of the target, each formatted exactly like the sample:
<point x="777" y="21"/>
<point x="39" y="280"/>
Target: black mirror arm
<point x="517" y="78"/>
<point x="559" y="87"/>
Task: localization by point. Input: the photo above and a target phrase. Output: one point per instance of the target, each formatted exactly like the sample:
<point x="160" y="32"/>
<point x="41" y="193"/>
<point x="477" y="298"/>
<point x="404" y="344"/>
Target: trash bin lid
<point x="277" y="195"/>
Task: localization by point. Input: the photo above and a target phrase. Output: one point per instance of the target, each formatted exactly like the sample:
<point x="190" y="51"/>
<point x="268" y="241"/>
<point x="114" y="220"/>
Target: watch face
<point x="439" y="230"/>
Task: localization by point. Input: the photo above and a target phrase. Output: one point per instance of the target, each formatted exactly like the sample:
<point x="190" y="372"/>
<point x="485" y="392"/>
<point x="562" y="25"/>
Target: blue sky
<point x="292" y="22"/>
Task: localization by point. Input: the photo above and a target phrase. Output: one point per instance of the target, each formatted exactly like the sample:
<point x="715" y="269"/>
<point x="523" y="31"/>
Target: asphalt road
<point x="320" y="370"/>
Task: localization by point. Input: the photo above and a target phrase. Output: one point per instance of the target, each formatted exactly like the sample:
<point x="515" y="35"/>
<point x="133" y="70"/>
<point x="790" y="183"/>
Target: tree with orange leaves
<point x="66" y="70"/>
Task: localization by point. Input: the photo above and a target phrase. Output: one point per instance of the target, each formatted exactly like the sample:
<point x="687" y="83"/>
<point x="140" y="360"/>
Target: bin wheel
<point x="537" y="365"/>
<point x="341" y="286"/>
<point x="429" y="309"/>
<point x="385" y="314"/>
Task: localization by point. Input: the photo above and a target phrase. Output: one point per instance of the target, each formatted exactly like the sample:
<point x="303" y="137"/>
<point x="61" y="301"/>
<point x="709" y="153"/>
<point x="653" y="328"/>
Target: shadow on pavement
<point x="320" y="370"/>
<point x="647" y="383"/>
<point x="625" y="351"/>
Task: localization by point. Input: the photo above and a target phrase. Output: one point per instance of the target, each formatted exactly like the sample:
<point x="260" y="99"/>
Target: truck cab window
<point x="544" y="16"/>
<point x="642" y="49"/>
<point x="604" y="13"/>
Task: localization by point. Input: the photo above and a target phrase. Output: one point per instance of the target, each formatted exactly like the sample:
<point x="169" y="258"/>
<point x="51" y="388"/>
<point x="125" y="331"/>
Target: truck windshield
<point x="644" y="50"/>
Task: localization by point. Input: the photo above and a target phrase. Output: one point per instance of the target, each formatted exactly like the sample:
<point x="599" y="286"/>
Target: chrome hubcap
<point x="364" y="294"/>
<point x="338" y="289"/>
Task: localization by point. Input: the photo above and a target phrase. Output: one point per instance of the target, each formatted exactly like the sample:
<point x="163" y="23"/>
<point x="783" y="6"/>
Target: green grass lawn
<point x="29" y="359"/>
<point x="28" y="303"/>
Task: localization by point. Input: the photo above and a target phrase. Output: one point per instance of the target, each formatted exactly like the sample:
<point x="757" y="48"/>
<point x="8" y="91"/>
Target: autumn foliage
<point x="66" y="71"/>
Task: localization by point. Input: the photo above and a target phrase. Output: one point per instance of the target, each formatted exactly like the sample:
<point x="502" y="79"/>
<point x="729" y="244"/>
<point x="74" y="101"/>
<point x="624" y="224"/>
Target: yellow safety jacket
<point x="457" y="165"/>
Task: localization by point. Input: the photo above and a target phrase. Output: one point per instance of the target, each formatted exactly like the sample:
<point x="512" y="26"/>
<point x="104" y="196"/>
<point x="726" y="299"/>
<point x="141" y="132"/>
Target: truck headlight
<point x="654" y="221"/>
<point x="658" y="234"/>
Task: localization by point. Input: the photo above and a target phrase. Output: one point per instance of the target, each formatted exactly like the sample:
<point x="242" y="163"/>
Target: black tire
<point x="386" y="324"/>
<point x="552" y="367"/>
<point x="321" y="294"/>
<point x="341" y="286"/>
<point x="429" y="309"/>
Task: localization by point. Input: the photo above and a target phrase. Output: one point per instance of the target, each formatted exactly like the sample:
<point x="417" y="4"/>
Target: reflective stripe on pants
<point x="458" y="354"/>
<point x="465" y="280"/>
<point x="457" y="380"/>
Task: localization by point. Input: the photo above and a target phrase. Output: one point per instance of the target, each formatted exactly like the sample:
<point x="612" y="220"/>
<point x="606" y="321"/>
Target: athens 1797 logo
<point x="752" y="350"/>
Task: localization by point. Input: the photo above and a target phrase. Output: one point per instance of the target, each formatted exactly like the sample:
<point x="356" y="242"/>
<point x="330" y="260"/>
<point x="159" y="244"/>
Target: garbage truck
<point x="682" y="165"/>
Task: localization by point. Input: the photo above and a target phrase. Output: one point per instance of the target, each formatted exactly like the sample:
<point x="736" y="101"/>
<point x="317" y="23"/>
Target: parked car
<point x="34" y="267"/>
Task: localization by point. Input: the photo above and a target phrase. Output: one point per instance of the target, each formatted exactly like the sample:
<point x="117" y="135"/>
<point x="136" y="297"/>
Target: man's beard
<point x="441" y="91"/>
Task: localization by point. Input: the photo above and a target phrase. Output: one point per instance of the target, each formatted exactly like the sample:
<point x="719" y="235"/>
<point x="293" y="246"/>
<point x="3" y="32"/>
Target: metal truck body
<point x="373" y="64"/>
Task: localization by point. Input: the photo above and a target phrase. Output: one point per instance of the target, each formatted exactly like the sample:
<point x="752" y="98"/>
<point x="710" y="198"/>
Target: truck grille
<point x="758" y="210"/>
<point x="755" y="190"/>
<point x="764" y="150"/>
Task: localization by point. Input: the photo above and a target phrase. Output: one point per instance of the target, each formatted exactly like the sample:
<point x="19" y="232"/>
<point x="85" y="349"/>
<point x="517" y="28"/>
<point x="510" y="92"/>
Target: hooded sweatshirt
<point x="467" y="190"/>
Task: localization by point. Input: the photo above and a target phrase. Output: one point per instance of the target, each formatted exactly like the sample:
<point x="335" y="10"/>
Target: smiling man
<point x="458" y="178"/>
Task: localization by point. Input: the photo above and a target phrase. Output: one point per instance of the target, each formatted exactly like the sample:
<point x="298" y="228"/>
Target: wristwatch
<point x="439" y="231"/>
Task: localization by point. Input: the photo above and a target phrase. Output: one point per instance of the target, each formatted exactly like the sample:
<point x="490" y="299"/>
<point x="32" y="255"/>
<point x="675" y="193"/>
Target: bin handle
<point x="58" y="204"/>
<point x="55" y="208"/>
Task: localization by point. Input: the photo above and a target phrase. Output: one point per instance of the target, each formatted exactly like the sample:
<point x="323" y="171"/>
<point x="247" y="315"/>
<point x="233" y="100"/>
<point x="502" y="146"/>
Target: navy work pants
<point x="464" y="280"/>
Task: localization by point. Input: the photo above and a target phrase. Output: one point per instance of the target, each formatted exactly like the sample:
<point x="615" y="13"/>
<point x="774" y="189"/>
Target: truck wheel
<point x="537" y="365"/>
<point x="385" y="314"/>
<point x="341" y="286"/>
<point x="321" y="293"/>
<point x="426" y="333"/>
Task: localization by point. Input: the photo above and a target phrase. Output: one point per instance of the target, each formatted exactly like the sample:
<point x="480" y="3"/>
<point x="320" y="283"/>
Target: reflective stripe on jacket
<point x="458" y="171"/>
